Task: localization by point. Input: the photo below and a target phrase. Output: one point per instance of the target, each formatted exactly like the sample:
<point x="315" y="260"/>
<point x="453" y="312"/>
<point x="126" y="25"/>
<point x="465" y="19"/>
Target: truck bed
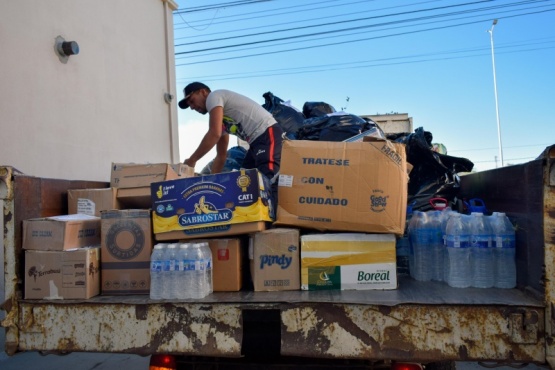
<point x="419" y="321"/>
<point x="409" y="291"/>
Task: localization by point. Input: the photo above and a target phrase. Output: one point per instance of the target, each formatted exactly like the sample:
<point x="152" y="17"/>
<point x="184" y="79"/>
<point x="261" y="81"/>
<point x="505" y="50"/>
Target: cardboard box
<point x="227" y="264"/>
<point x="72" y="274"/>
<point x="350" y="261"/>
<point x="133" y="181"/>
<point x="213" y="231"/>
<point x="204" y="205"/>
<point x="360" y="186"/>
<point x="133" y="175"/>
<point x="91" y="201"/>
<point x="274" y="256"/>
<point x="58" y="233"/>
<point x="126" y="248"/>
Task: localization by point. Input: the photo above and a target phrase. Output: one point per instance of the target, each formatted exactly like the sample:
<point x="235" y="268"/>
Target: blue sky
<point x="430" y="59"/>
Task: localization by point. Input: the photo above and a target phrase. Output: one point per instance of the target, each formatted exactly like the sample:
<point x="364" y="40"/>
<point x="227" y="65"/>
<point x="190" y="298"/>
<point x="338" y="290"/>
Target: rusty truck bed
<point x="417" y="322"/>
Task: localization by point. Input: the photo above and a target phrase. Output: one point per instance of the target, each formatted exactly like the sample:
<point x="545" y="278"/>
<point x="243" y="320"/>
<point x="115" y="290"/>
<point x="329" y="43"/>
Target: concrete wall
<point x="70" y="119"/>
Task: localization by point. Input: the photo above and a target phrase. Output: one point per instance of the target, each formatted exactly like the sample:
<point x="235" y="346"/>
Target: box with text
<point x="360" y="186"/>
<point x="205" y="205"/>
<point x="350" y="261"/>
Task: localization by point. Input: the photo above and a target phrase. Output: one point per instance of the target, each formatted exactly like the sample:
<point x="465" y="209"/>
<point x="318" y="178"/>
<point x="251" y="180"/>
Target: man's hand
<point x="189" y="162"/>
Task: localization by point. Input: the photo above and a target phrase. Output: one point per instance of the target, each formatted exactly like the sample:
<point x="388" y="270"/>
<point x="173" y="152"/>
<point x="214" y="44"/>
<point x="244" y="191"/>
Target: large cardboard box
<point x="91" y="201"/>
<point x="350" y="261"/>
<point x="274" y="256"/>
<point x="227" y="264"/>
<point x="211" y="205"/>
<point x="360" y="186"/>
<point x="63" y="232"/>
<point x="72" y="274"/>
<point x="133" y="180"/>
<point x="126" y="248"/>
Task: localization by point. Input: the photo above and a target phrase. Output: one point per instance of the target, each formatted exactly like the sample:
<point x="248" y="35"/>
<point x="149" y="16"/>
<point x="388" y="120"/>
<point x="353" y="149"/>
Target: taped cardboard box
<point x="72" y="274"/>
<point x="227" y="203"/>
<point x="274" y="257"/>
<point x="350" y="261"/>
<point x="360" y="186"/>
<point x="133" y="180"/>
<point x="63" y="232"/>
<point x="92" y="201"/>
<point x="126" y="248"/>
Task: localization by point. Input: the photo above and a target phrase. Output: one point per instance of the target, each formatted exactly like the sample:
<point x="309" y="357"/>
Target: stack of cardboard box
<point x="335" y="187"/>
<point x="340" y="208"/>
<point x="62" y="257"/>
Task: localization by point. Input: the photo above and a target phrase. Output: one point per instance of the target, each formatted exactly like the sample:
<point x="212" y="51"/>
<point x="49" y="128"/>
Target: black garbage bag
<point x="335" y="127"/>
<point x="433" y="175"/>
<point x="234" y="160"/>
<point x="287" y="117"/>
<point x="317" y="109"/>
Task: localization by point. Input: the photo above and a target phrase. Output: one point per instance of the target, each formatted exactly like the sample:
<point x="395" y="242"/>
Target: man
<point x="232" y="113"/>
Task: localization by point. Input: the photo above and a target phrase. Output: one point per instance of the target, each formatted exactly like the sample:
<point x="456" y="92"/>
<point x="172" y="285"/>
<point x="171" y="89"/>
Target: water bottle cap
<point x="171" y="246"/>
<point x="158" y="246"/>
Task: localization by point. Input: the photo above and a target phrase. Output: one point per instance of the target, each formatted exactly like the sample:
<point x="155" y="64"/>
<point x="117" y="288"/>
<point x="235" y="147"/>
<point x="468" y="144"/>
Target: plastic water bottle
<point x="457" y="238"/>
<point x="156" y="261"/>
<point x="183" y="288"/>
<point x="504" y="251"/>
<point x="444" y="218"/>
<point x="169" y="274"/>
<point x="410" y="227"/>
<point x="197" y="281"/>
<point x="435" y="242"/>
<point x="483" y="266"/>
<point x="207" y="257"/>
<point x="423" y="257"/>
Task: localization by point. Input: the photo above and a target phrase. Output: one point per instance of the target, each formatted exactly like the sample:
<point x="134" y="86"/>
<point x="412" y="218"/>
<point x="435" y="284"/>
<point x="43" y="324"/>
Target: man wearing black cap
<point x="232" y="113"/>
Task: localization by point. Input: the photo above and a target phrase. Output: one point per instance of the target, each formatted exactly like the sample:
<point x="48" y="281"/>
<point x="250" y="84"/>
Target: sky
<point x="430" y="59"/>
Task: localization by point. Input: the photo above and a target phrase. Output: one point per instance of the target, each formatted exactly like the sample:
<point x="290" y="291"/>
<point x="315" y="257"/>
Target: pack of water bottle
<point x="181" y="271"/>
<point x="463" y="250"/>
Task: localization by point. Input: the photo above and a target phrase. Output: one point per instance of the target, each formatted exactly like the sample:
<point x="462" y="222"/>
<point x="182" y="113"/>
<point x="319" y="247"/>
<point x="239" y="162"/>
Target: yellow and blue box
<point x="228" y="203"/>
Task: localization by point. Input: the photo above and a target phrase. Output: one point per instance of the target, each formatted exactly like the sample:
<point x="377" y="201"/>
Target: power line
<point x="289" y="42"/>
<point x="376" y="63"/>
<point x="335" y="23"/>
<point x="319" y="8"/>
<point x="221" y="5"/>
<point x="288" y="11"/>
<point x="352" y="41"/>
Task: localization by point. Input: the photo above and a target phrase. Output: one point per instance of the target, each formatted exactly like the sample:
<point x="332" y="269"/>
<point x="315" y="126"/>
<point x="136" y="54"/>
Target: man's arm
<point x="221" y="154"/>
<point x="211" y="138"/>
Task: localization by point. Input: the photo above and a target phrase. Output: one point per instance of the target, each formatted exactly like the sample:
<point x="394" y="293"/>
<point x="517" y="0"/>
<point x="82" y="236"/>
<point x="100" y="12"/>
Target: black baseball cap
<point x="190" y="89"/>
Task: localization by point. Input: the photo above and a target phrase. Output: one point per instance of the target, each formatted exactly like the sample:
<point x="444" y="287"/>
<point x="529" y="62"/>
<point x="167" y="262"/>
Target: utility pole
<point x="495" y="91"/>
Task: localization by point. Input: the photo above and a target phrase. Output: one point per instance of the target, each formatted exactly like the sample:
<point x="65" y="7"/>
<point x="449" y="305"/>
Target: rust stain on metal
<point x="423" y="333"/>
<point x="141" y="312"/>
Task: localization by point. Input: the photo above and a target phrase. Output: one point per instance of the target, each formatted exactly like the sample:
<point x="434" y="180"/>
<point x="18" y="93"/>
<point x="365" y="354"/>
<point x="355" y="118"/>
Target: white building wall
<point x="72" y="120"/>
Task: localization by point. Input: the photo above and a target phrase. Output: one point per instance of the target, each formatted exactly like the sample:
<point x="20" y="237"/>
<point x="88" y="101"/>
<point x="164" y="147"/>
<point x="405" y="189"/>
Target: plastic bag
<point x="289" y="118"/>
<point x="433" y="175"/>
<point x="317" y="109"/>
<point x="333" y="127"/>
<point x="234" y="160"/>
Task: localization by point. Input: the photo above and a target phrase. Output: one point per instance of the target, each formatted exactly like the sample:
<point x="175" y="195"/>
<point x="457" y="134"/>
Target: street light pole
<point x="495" y="91"/>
